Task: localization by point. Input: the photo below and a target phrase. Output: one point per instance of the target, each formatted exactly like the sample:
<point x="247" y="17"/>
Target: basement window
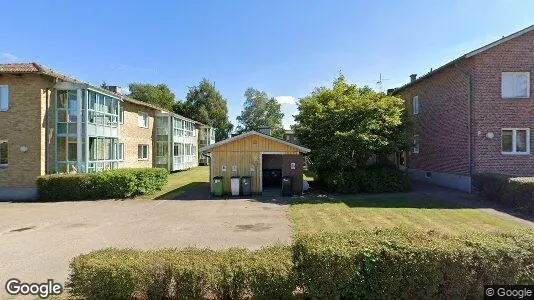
<point x="3" y="154"/>
<point x="515" y="141"/>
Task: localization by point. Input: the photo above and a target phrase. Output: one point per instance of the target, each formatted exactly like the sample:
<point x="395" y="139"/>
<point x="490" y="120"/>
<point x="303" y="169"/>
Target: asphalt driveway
<point x="38" y="240"/>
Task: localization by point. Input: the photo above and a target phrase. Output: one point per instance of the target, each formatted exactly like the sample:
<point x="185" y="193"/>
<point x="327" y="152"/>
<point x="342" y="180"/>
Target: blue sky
<point x="283" y="47"/>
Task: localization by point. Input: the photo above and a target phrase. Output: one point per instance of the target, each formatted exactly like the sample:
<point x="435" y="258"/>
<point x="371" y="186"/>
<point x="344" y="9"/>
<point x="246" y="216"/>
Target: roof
<point x="465" y="56"/>
<point x="250" y="133"/>
<point x="36" y="68"/>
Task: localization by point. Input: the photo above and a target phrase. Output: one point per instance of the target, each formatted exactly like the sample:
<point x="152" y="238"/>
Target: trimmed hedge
<point x="399" y="264"/>
<point x="370" y="264"/>
<point x="369" y="180"/>
<point x="183" y="274"/>
<point x="119" y="183"/>
<point x="514" y="192"/>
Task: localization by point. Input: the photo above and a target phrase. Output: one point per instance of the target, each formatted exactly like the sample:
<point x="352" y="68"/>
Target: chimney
<point x="413" y="77"/>
<point x="265" y="130"/>
<point x="113" y="88"/>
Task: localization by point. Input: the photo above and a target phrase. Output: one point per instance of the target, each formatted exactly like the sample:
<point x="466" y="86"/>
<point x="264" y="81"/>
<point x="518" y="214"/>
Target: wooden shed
<point x="262" y="157"/>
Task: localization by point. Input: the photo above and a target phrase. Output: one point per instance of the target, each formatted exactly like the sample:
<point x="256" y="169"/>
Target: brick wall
<point x="24" y="124"/>
<point x="442" y="122"/>
<point x="132" y="135"/>
<point x="492" y="113"/>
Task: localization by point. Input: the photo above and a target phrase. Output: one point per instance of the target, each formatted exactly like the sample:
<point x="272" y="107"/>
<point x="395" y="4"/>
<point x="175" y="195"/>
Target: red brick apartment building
<point x="474" y="114"/>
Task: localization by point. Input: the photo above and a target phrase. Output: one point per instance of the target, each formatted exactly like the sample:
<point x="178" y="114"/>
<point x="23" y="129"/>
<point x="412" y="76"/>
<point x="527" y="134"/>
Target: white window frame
<point x="144" y="119"/>
<point x="416" y="105"/>
<point x="418" y="149"/>
<point x="503" y="74"/>
<point x="6" y="108"/>
<point x="514" y="141"/>
<point x="4" y="166"/>
<point x="147" y="152"/>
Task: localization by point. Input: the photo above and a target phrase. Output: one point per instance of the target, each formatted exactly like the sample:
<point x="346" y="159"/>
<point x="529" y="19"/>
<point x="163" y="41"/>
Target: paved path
<point x="37" y="240"/>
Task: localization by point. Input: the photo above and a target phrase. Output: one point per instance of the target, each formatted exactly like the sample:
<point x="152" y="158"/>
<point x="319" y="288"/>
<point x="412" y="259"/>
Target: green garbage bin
<point x="287" y="186"/>
<point x="217" y="186"/>
<point x="246" y="186"/>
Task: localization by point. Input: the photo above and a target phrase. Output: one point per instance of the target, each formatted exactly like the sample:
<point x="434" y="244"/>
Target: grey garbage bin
<point x="287" y="186"/>
<point x="246" y="186"/>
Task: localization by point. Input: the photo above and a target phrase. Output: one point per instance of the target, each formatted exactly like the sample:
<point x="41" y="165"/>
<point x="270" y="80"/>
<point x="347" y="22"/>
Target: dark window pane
<point x="72" y="152"/>
<point x="507" y="140"/>
<point x="61" y="99"/>
<point x="521" y="141"/>
<point x="3" y="153"/>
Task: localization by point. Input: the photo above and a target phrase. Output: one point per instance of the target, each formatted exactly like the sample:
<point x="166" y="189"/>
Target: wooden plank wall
<point x="244" y="153"/>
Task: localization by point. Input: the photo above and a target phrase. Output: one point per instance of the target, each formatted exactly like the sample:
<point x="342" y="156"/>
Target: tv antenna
<point x="380" y="82"/>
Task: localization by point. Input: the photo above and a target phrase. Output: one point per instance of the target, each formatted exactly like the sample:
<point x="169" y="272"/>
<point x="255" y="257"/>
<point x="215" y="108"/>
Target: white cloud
<point x="8" y="56"/>
<point x="285" y="99"/>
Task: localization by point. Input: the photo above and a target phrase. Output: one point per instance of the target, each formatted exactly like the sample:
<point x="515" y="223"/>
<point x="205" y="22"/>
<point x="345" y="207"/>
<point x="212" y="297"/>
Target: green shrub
<point x="183" y="274"/>
<point x="371" y="264"/>
<point x="514" y="192"/>
<point x="401" y="264"/>
<point x="119" y="183"/>
<point x="369" y="180"/>
<point x="63" y="187"/>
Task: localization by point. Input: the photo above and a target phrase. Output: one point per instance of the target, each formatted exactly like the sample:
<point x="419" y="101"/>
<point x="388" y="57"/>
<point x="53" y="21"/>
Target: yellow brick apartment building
<point x="52" y="123"/>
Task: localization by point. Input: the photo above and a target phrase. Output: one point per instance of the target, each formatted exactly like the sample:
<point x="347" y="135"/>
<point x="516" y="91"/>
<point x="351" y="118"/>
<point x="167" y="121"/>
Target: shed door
<point x="295" y="160"/>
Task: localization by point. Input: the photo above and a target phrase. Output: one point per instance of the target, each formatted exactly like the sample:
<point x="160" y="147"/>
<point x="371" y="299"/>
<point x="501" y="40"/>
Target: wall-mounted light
<point x="23" y="148"/>
<point x="490" y="135"/>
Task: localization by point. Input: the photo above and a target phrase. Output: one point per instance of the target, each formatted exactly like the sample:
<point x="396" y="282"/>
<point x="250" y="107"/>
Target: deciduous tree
<point x="159" y="95"/>
<point x="345" y="125"/>
<point x="259" y="110"/>
<point x="205" y="104"/>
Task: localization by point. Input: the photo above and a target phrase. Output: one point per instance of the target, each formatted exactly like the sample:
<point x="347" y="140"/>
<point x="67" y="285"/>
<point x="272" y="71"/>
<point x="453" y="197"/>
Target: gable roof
<point x="467" y="55"/>
<point x="250" y="133"/>
<point x="36" y="68"/>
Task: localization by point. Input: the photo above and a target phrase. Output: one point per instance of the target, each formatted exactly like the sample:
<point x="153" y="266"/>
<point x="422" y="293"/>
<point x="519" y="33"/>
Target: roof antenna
<point x="380" y="81"/>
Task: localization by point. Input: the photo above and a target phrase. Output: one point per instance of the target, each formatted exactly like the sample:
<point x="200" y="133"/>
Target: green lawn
<point x="180" y="180"/>
<point x="410" y="212"/>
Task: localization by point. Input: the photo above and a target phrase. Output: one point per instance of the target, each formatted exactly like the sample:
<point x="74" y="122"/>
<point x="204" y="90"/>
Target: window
<point x="416" y="144"/>
<point x="161" y="149"/>
<point x="3" y="154"/>
<point x="120" y="151"/>
<point x="416" y="105"/>
<point x="142" y="152"/>
<point x="142" y="120"/>
<point x="4" y="97"/>
<point x="515" y="141"/>
<point x="515" y="84"/>
<point x="121" y="115"/>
